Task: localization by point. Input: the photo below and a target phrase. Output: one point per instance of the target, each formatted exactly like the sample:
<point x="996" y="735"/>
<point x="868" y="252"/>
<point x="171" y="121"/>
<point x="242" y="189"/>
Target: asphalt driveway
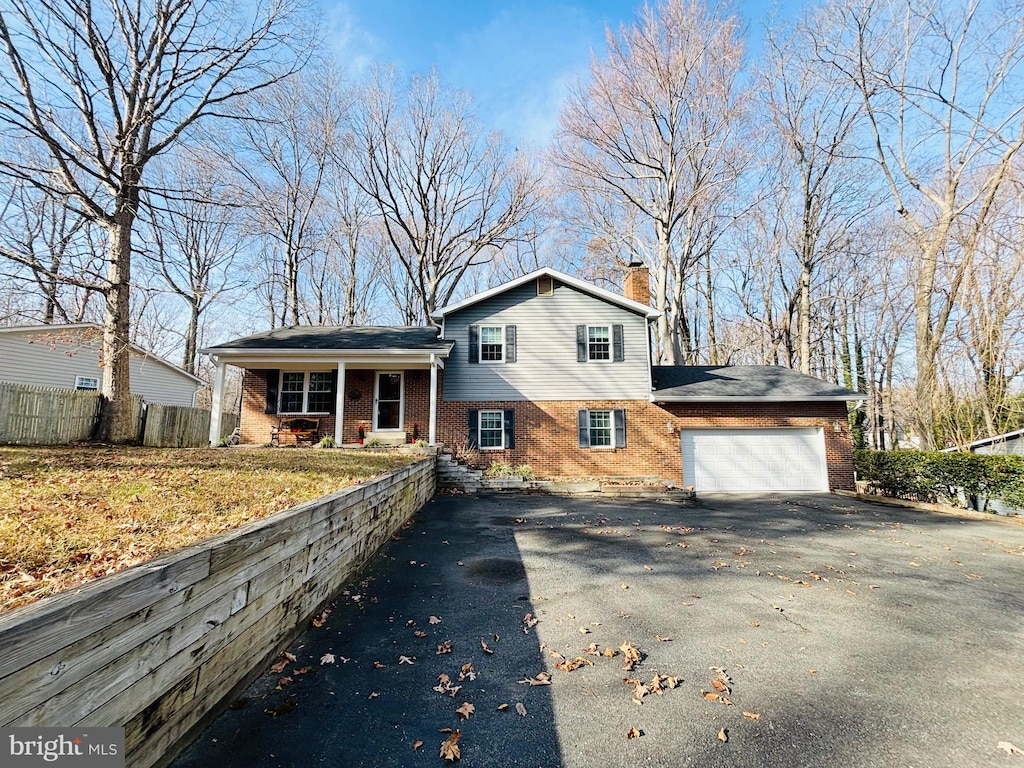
<point x="842" y="633"/>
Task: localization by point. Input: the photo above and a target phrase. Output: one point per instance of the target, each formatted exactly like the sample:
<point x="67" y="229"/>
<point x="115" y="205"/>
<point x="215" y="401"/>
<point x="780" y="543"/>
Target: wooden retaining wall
<point x="161" y="648"/>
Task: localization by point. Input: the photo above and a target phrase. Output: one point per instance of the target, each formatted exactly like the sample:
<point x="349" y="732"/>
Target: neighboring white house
<point x="1010" y="444"/>
<point x="68" y="357"/>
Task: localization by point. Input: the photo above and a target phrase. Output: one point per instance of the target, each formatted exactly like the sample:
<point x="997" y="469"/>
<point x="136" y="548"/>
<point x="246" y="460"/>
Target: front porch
<point x="356" y="383"/>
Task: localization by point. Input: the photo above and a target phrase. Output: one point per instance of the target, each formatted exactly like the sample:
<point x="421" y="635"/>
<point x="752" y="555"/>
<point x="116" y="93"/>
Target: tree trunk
<point x="712" y="337"/>
<point x="666" y="333"/>
<point x="191" y="338"/>
<point x="116" y="425"/>
<point x="804" y="316"/>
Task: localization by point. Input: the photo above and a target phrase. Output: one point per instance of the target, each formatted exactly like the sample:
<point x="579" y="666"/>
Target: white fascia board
<point x="275" y="359"/>
<point x="580" y="285"/>
<point x="330" y="354"/>
<point x="853" y="397"/>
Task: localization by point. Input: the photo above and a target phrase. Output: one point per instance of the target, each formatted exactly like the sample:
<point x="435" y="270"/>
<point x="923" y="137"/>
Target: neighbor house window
<point x="492" y="429"/>
<point x="602" y="428"/>
<point x="87" y="383"/>
<point x="492" y="344"/>
<point x="306" y="391"/>
<point x="599" y="342"/>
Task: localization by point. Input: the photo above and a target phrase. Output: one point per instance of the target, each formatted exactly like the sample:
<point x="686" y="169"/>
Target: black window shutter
<point x="620" y="428"/>
<point x="581" y="343"/>
<point x="510" y="343"/>
<point x="510" y="428"/>
<point x="583" y="421"/>
<point x="618" y="350"/>
<point x="333" y="406"/>
<point x="273" y="384"/>
<point x="473" y="421"/>
<point x="474" y="343"/>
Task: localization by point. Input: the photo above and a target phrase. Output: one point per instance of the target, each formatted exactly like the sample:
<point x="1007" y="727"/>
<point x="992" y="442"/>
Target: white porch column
<point x="433" y="400"/>
<point x="217" y="403"/>
<point x="339" y="406"/>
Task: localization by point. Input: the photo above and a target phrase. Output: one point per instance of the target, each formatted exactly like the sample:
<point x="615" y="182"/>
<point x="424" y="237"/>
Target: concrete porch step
<point x="387" y="438"/>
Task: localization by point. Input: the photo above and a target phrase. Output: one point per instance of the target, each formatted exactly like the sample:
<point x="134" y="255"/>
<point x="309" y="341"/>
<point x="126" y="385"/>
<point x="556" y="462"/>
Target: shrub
<point x="374" y="442"/>
<point x="327" y="442"/>
<point x="499" y="469"/>
<point x="961" y="479"/>
<point x="525" y="471"/>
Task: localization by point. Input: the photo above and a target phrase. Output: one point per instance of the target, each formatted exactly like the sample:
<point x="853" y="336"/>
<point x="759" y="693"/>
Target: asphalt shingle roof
<point x="742" y="382"/>
<point x="346" y="337"/>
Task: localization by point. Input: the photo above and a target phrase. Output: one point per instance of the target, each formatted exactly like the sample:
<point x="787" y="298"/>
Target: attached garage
<point x="755" y="460"/>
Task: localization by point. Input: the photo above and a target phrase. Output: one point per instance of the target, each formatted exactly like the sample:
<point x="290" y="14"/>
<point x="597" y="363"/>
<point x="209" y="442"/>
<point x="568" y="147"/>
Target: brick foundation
<point x="546" y="434"/>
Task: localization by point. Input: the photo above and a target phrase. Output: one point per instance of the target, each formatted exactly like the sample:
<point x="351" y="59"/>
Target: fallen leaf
<point x="450" y="751"/>
<point x="723" y="735"/>
<point x="467" y="672"/>
<point x="278" y="667"/>
<point x="327" y="658"/>
<point x="374" y="695"/>
<point x="569" y="665"/>
<point x="417" y="744"/>
<point x="502" y="707"/>
<point x="719" y="686"/>
<point x="378" y="665"/>
<point x="282" y="682"/>
<point x="632" y="655"/>
<point x="592" y="650"/>
<point x="623" y="586"/>
<point x="411" y="623"/>
<point x="405" y="660"/>
<point x="434" y="620"/>
<point x="610" y="653"/>
<point x="319" y="621"/>
<point x="286" y="706"/>
<point x="445" y="647"/>
<point x="708" y="695"/>
<point x="648" y="568"/>
<point x="752" y="715"/>
<point x="420" y="633"/>
<point x="661" y="639"/>
<point x="584" y="631"/>
<point x="289" y="656"/>
<point x="542" y="678"/>
<point x="485" y="646"/>
<point x="755" y="624"/>
<point x="520" y="709"/>
<point x="301" y="671"/>
<point x="460" y="564"/>
<point x="1009" y="748"/>
<point x="465" y="711"/>
<point x="634" y="733"/>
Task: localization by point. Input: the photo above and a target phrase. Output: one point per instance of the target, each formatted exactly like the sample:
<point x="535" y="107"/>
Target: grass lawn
<point x="70" y="514"/>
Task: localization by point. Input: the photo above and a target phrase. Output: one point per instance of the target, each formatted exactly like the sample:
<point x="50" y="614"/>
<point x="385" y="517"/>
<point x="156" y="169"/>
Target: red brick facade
<point x="546" y="434"/>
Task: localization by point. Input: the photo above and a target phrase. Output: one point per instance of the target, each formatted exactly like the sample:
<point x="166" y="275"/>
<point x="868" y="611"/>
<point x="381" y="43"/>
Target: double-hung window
<point x="306" y="391"/>
<point x="87" y="383"/>
<point x="492" y="344"/>
<point x="599" y="342"/>
<point x="492" y="429"/>
<point x="602" y="428"/>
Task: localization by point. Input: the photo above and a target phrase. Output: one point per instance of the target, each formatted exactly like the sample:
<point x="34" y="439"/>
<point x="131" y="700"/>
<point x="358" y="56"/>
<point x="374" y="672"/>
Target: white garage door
<point x="754" y="460"/>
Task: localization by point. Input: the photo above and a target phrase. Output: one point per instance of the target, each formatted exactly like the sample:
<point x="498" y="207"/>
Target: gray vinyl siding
<point x="56" y="358"/>
<point x="546" y="367"/>
<point x="1013" y="447"/>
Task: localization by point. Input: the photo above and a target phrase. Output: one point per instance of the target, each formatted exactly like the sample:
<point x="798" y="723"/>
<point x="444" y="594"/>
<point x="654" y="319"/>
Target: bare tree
<point x="284" y="155"/>
<point x="940" y="84"/>
<point x="196" y="233"/>
<point x="654" y="131"/>
<point x="448" y="193"/>
<point x="101" y="88"/>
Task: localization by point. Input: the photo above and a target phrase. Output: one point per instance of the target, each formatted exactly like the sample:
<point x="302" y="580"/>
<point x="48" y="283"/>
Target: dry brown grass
<point x="71" y="514"/>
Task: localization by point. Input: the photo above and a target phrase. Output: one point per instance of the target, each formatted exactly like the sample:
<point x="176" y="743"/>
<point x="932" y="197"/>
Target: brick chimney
<point x="637" y="285"/>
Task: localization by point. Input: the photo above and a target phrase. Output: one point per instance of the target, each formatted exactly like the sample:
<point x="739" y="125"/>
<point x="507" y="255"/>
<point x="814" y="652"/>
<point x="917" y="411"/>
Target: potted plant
<point x="362" y="434"/>
<point x="415" y="433"/>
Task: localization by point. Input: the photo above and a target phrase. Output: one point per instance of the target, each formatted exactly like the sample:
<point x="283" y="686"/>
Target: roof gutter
<point x="852" y="397"/>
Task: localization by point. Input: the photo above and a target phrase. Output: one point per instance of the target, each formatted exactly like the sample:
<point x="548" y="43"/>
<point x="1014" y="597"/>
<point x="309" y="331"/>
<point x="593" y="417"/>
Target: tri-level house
<point x="554" y="372"/>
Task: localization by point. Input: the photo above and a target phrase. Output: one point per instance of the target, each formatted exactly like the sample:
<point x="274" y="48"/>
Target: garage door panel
<point x="754" y="460"/>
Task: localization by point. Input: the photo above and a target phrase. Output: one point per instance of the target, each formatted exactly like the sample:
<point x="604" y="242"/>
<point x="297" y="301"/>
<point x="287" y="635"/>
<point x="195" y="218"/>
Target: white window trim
<point x="305" y="394"/>
<point x="480" y="345"/>
<point x="480" y="430"/>
<point x="611" y="427"/>
<point x="94" y="379"/>
<point x="611" y="345"/>
<point x="401" y="402"/>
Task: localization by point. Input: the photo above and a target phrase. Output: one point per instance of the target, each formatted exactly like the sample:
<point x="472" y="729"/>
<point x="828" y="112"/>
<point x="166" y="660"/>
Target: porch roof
<point x="333" y="339"/>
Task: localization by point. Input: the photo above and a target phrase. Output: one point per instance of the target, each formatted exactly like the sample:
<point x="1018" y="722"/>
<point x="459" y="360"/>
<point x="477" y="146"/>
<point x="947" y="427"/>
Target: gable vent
<point x="545" y="285"/>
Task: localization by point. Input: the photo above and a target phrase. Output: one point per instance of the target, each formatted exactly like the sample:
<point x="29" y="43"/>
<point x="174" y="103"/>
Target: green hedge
<point x="962" y="479"/>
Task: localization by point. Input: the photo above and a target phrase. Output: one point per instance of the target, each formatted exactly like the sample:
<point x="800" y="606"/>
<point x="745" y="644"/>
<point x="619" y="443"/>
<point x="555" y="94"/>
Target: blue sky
<point x="517" y="57"/>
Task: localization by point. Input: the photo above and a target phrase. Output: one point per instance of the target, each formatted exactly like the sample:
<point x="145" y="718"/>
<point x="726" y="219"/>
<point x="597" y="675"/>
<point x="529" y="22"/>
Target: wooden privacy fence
<point x="176" y="426"/>
<point x="43" y="416"/>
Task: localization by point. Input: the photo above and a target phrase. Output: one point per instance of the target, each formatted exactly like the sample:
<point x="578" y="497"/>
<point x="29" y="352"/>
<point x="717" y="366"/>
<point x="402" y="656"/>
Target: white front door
<point x="754" y="460"/>
<point x="388" y="401"/>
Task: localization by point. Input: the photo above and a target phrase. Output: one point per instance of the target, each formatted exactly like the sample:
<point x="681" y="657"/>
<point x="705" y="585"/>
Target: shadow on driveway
<point x="845" y="633"/>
